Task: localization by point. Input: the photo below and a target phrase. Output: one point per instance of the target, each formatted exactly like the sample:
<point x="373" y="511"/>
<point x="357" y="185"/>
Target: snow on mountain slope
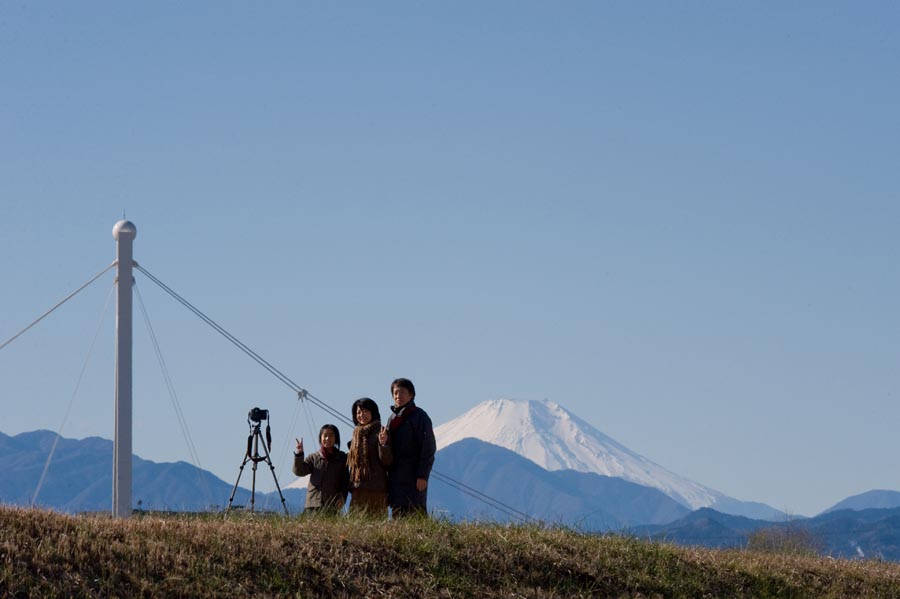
<point x="556" y="439"/>
<point x="299" y="483"/>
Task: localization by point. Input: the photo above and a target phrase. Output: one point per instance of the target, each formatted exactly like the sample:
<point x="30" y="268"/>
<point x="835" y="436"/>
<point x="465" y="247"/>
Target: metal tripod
<point x="252" y="455"/>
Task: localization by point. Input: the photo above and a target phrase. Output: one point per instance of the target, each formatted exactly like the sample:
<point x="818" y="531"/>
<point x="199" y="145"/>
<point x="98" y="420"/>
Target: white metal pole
<point x="124" y="233"/>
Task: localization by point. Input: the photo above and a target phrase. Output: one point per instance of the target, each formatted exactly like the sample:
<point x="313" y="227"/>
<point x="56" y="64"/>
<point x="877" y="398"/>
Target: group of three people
<point x="387" y="465"/>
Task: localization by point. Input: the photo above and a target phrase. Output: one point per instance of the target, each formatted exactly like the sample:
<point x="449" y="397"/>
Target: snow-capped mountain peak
<point x="555" y="439"/>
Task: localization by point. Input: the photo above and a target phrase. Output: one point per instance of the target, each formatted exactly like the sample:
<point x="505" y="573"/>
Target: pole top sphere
<point x="124" y="229"/>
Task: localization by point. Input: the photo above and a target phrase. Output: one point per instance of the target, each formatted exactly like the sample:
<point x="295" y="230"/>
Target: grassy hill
<point x="53" y="555"/>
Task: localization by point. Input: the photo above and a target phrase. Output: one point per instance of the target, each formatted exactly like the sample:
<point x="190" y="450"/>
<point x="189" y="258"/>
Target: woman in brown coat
<point x="367" y="461"/>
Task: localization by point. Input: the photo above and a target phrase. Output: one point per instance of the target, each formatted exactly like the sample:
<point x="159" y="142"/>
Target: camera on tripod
<point x="257" y="415"/>
<point x="255" y="440"/>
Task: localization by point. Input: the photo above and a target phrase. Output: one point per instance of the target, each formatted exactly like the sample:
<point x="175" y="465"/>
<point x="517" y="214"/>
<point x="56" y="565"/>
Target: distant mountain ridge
<point x="876" y="498"/>
<point x="848" y="534"/>
<point x="80" y="478"/>
<point x="582" y="500"/>
<point x="555" y="439"/>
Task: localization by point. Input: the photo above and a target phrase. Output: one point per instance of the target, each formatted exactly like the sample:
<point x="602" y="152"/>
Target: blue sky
<point x="679" y="221"/>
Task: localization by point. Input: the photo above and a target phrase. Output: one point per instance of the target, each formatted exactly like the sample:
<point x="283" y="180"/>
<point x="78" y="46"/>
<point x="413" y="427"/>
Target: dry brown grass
<point x="53" y="555"/>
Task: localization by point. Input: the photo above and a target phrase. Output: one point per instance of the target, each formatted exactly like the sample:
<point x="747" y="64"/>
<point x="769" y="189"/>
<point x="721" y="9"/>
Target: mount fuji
<point x="555" y="439"/>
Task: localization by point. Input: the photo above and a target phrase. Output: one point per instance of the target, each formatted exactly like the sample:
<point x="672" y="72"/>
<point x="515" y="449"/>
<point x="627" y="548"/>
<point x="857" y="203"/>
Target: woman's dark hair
<point x="404" y="384"/>
<point x="332" y="428"/>
<point x="366" y="404"/>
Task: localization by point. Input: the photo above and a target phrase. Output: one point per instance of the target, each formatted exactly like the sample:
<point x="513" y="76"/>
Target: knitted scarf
<point x="327" y="452"/>
<point x="358" y="458"/>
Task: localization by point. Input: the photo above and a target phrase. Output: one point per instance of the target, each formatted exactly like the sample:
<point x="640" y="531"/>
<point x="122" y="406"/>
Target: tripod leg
<point x="253" y="485"/>
<point x="277" y="486"/>
<point x="234" y="490"/>
<point x="255" y="457"/>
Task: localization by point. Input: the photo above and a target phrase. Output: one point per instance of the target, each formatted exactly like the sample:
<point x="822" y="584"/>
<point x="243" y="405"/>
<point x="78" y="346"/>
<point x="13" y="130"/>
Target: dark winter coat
<point x="329" y="480"/>
<point x="414" y="446"/>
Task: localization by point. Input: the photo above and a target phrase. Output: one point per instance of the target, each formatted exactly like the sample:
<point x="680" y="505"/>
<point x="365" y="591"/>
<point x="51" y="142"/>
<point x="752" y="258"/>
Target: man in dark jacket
<point x="412" y="440"/>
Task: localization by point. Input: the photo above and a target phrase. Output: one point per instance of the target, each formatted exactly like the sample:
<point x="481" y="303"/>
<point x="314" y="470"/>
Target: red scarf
<point x="327" y="452"/>
<point x="401" y="414"/>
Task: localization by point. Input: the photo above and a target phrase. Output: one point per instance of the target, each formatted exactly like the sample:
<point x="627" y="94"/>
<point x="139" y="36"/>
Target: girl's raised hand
<point x="299" y="445"/>
<point x="383" y="436"/>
